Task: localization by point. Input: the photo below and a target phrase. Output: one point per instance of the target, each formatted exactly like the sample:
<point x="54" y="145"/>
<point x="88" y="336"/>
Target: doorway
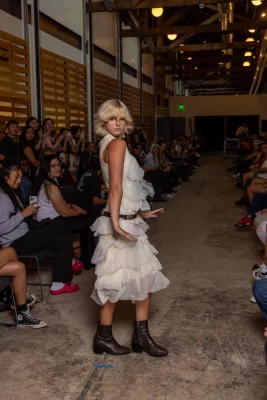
<point x="212" y="130"/>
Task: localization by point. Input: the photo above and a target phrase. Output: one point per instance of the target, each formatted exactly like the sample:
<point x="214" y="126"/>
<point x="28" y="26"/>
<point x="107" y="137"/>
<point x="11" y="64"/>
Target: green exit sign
<point x="181" y="107"/>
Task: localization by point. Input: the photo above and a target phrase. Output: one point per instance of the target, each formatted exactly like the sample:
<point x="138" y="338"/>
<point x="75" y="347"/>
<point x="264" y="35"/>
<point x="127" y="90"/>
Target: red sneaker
<point x="77" y="265"/>
<point x="67" y="288"/>
<point x="245" y="221"/>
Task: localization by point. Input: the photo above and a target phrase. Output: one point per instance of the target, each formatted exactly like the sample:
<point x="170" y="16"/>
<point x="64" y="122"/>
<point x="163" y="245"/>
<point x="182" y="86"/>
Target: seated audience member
<point x="26" y="182"/>
<point x="154" y="174"/>
<point x="9" y="145"/>
<point x="243" y="136"/>
<point x="130" y="147"/>
<point x="87" y="154"/>
<point x="137" y="153"/>
<point x="259" y="290"/>
<point x="90" y="186"/>
<point x="75" y="158"/>
<point x="52" y="205"/>
<point x="66" y="178"/>
<point x="15" y="232"/>
<point x="10" y="266"/>
<point x="68" y="144"/>
<point x="27" y="144"/>
<point x="50" y="144"/>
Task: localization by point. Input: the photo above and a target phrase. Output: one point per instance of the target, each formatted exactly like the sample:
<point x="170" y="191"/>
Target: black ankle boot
<point x="105" y="342"/>
<point x="142" y="341"/>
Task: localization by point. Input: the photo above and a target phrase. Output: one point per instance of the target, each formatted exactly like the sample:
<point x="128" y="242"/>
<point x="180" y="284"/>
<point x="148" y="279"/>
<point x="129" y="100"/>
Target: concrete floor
<point x="205" y="319"/>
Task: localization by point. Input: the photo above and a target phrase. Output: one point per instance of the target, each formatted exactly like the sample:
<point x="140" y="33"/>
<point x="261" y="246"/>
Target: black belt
<point x="127" y="217"/>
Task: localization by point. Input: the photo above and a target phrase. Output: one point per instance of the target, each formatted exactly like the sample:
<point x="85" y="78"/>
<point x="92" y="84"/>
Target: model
<point x="126" y="266"/>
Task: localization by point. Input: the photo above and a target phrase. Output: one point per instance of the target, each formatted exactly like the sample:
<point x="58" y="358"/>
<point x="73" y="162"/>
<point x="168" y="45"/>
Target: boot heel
<point x="98" y="350"/>
<point x="137" y="348"/>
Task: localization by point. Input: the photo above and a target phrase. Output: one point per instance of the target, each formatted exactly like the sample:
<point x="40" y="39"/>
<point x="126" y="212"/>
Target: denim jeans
<point x="259" y="203"/>
<point x="259" y="290"/>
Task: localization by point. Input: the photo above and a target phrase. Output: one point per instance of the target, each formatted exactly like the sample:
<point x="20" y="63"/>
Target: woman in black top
<point x="27" y="143"/>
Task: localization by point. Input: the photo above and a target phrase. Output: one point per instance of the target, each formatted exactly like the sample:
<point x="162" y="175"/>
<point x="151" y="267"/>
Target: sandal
<point x="77" y="265"/>
<point x="67" y="288"/>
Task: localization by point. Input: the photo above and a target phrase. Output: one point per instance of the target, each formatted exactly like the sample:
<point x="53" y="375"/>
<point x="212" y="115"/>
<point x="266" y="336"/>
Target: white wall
<point x="10" y="24"/>
<point x="104" y="31"/>
<point x="63" y="49"/>
<point x="198" y="106"/>
<point x="103" y="68"/>
<point x="67" y="12"/>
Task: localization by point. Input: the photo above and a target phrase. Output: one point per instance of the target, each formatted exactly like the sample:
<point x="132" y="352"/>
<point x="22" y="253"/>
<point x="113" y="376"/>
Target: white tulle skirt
<point x="125" y="270"/>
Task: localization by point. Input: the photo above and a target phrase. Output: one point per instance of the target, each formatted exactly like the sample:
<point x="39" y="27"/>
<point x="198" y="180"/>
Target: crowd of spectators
<point x="51" y="189"/>
<point x="250" y="173"/>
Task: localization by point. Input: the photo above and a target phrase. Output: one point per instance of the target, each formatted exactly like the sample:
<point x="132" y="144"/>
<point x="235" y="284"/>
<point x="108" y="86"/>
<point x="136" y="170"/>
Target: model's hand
<point x="150" y="214"/>
<point x="117" y="231"/>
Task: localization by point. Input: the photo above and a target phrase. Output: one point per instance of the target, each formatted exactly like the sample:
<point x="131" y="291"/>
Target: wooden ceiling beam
<point x="201" y="61"/>
<point x="208" y="47"/>
<point x="197" y="29"/>
<point x="214" y="69"/>
<point x="229" y="78"/>
<point x="99" y="6"/>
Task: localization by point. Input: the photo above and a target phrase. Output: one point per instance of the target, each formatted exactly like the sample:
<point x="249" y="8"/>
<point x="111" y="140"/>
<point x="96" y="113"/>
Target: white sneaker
<point x="253" y="300"/>
<point x="257" y="274"/>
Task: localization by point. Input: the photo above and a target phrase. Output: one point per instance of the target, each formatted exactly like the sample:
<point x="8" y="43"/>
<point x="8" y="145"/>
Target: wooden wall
<point x="64" y="90"/>
<point x="15" y="94"/>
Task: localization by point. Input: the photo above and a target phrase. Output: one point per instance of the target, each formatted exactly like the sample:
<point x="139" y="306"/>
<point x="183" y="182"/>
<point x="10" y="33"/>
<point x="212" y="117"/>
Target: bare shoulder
<point x="119" y="144"/>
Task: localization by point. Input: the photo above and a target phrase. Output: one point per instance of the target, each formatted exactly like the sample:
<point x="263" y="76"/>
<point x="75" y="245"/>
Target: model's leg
<point x="142" y="341"/>
<point x="104" y="340"/>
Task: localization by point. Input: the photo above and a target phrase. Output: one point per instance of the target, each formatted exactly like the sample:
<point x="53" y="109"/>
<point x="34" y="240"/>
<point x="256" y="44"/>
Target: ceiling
<point x="210" y="46"/>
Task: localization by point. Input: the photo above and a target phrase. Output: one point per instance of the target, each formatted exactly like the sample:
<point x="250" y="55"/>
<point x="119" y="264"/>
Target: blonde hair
<point x="110" y="109"/>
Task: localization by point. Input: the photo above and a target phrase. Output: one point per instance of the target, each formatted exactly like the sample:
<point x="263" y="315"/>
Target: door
<point x="211" y="132"/>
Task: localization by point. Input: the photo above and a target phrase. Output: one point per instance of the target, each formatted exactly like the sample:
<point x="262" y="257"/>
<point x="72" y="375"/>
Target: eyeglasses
<point x="54" y="166"/>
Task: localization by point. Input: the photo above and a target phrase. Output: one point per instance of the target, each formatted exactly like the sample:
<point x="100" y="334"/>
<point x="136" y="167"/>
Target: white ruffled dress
<point x="126" y="270"/>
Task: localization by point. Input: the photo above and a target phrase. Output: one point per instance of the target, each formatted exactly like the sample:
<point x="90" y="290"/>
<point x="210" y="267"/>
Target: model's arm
<point x="115" y="154"/>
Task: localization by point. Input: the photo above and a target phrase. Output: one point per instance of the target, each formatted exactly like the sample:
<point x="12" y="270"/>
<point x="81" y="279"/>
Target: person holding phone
<point x="15" y="232"/>
<point x="50" y="144"/>
<point x="126" y="263"/>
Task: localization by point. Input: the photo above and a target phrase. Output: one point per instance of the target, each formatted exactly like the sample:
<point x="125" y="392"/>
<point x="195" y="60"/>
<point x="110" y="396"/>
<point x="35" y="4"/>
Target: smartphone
<point x="82" y="135"/>
<point x="33" y="200"/>
<point x="62" y="157"/>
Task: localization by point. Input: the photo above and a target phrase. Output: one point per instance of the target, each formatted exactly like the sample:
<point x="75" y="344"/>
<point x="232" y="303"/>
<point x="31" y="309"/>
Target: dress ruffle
<point x="126" y="270"/>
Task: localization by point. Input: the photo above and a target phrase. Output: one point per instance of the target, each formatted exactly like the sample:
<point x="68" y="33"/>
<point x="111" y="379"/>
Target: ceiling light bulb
<point x="263" y="14"/>
<point x="182" y="44"/>
<point x="246" y="64"/>
<point x="252" y="30"/>
<point x="256" y="2"/>
<point x="254" y="56"/>
<point x="157" y="12"/>
<point x="172" y="37"/>
<point x="250" y="39"/>
<point x="181" y="52"/>
<point x="189" y="58"/>
<point x="196" y="67"/>
<point x="248" y="54"/>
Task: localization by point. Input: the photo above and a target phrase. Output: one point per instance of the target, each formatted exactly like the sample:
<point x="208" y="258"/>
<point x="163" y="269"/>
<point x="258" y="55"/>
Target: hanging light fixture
<point x="189" y="58"/>
<point x="256" y="2"/>
<point x="252" y="30"/>
<point x="157" y="12"/>
<point x="196" y="67"/>
<point x="263" y="14"/>
<point x="248" y="54"/>
<point x="246" y="64"/>
<point x="172" y="37"/>
<point x="250" y="39"/>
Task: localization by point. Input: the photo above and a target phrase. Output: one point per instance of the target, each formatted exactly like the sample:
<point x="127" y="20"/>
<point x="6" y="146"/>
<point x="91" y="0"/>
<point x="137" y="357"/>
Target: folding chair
<point x="4" y="282"/>
<point x="38" y="257"/>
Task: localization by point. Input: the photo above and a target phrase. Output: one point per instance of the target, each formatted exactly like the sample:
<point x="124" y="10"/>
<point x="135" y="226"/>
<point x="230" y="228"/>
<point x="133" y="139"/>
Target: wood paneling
<point x="131" y="97"/>
<point x="106" y="88"/>
<point x="64" y="90"/>
<point x="149" y="115"/>
<point x="15" y="99"/>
